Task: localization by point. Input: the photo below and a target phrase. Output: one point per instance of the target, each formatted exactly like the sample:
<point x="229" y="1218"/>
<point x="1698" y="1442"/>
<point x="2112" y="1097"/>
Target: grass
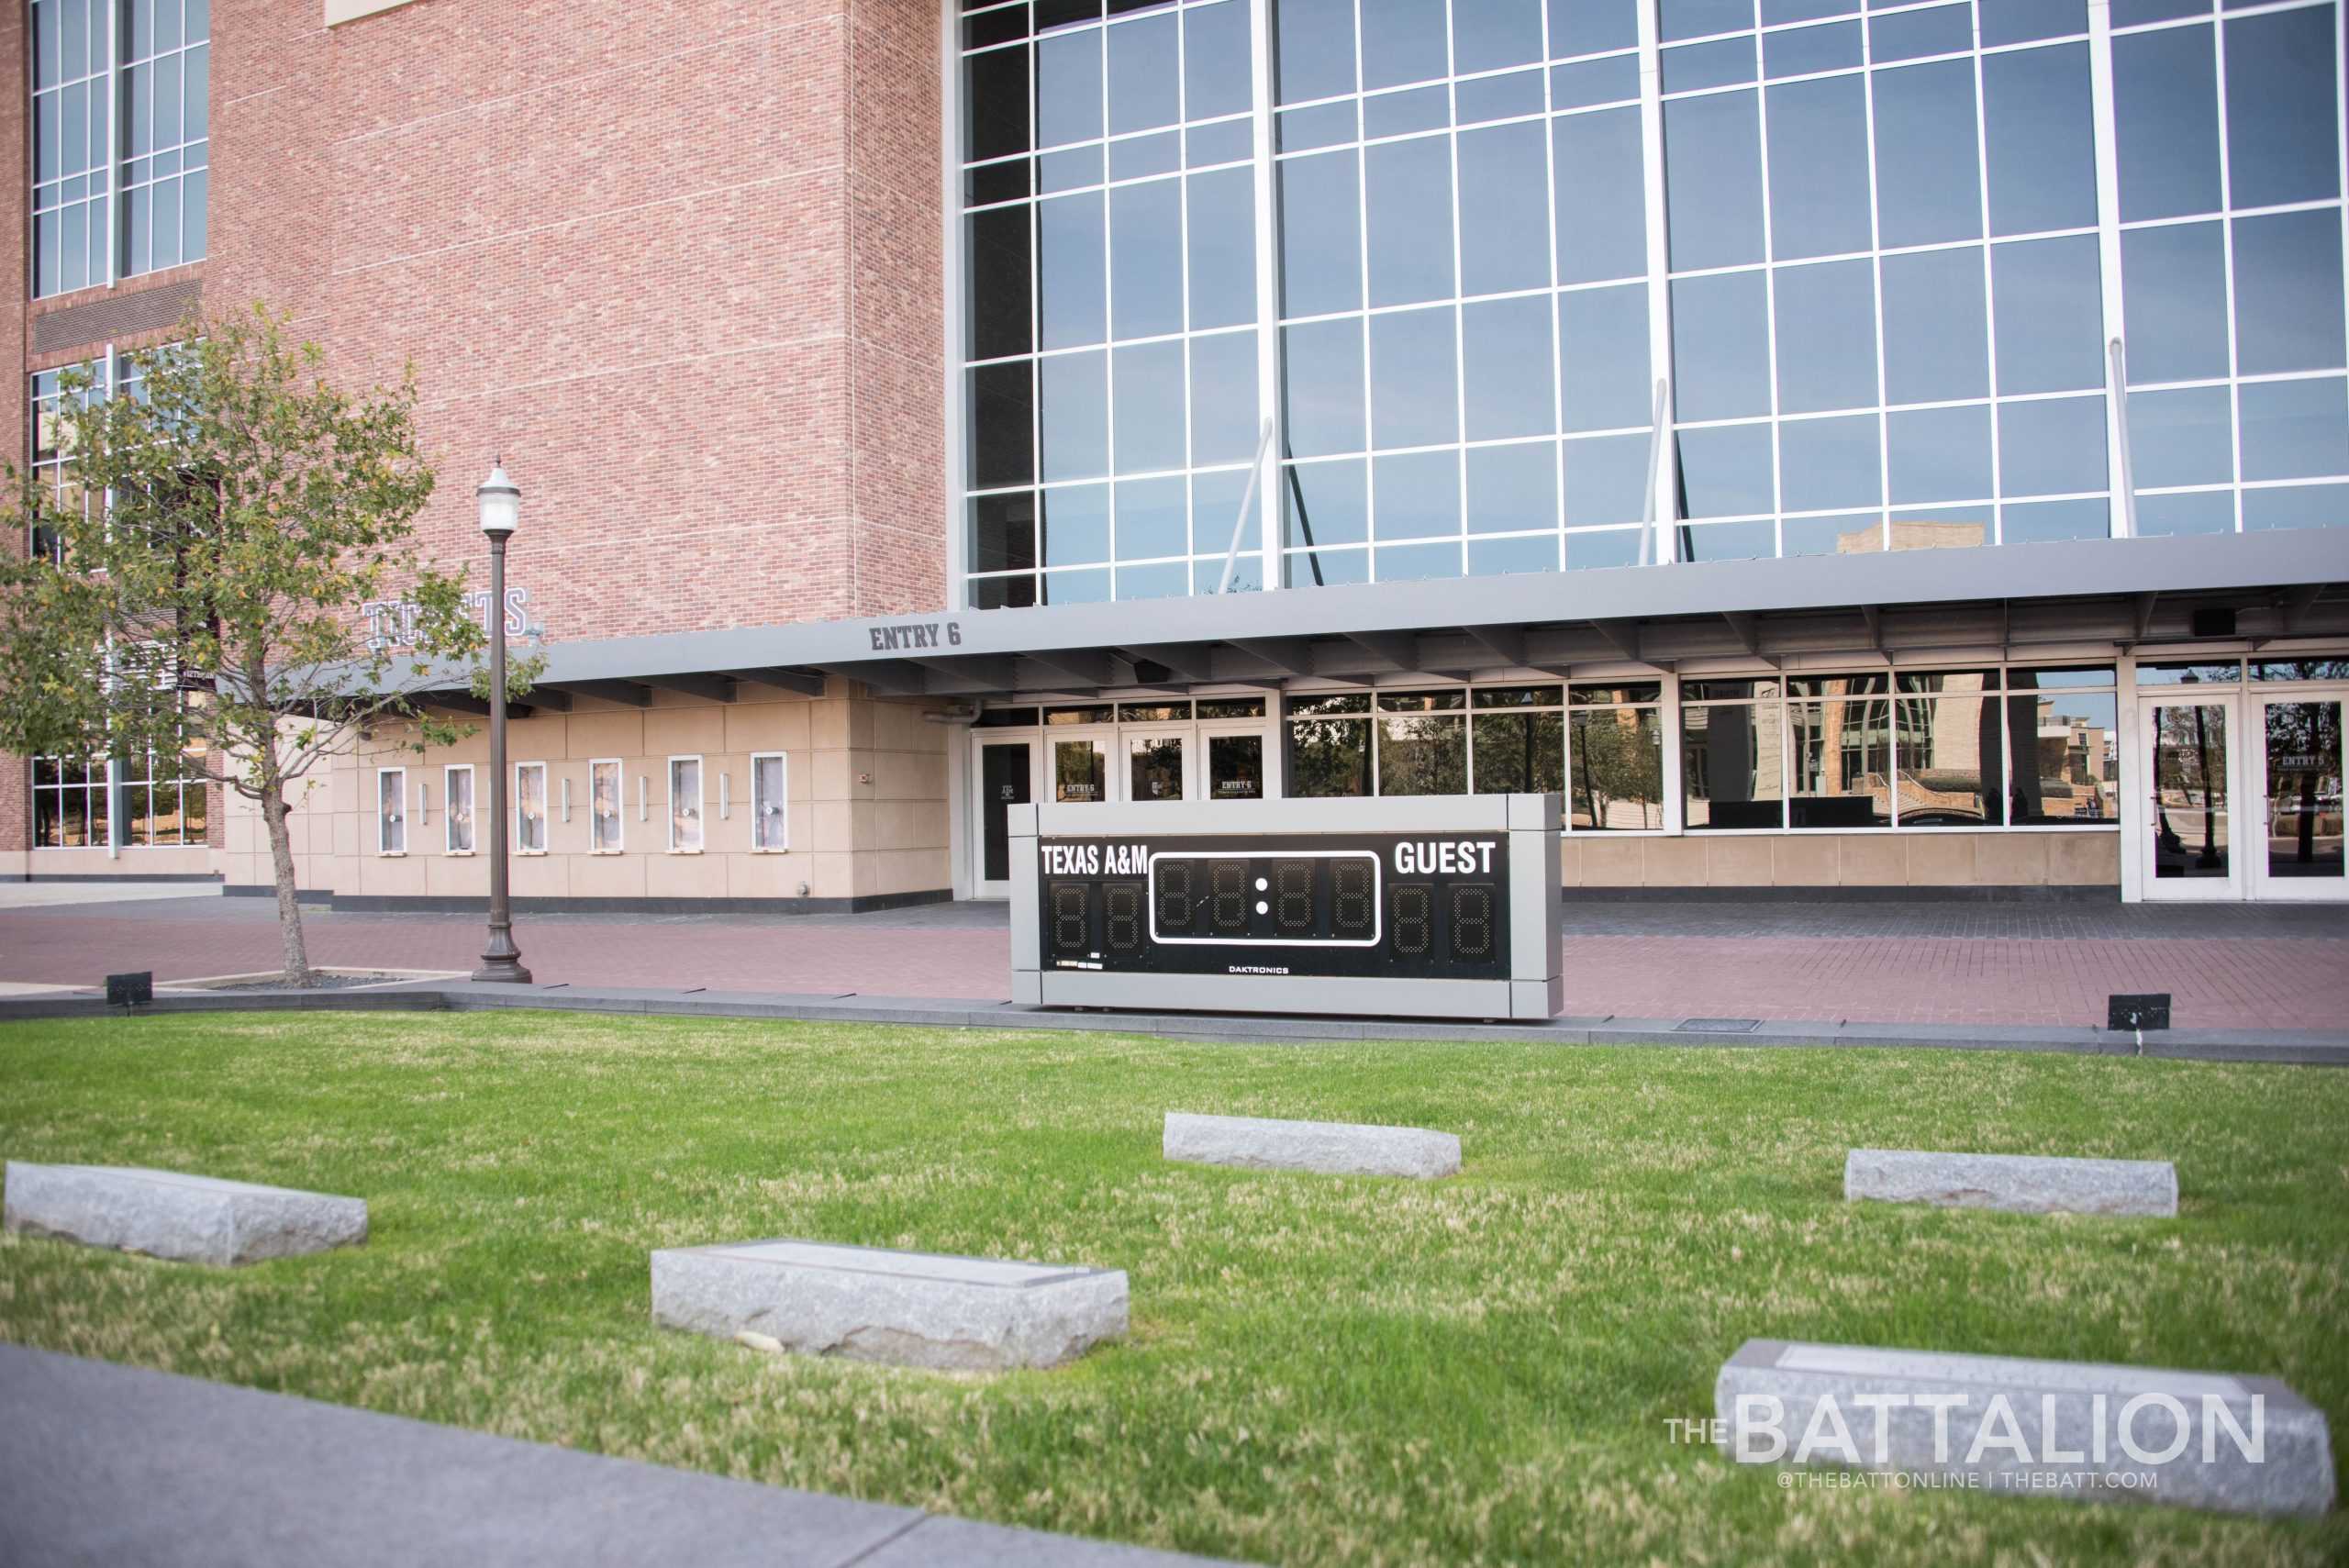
<point x="1320" y="1370"/>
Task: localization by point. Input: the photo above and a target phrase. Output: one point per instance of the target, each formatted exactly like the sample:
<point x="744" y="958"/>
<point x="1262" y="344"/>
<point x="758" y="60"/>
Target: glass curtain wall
<point x="1890" y="281"/>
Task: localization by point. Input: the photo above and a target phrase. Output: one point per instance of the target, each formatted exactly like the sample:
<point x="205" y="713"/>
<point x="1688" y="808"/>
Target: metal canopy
<point x="1904" y="607"/>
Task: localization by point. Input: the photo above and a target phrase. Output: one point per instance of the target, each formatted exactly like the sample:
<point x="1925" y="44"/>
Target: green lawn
<point x="1321" y="1369"/>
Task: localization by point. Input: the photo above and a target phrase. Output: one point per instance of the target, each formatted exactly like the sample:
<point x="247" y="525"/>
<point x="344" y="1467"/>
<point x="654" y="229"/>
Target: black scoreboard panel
<point x="1338" y="905"/>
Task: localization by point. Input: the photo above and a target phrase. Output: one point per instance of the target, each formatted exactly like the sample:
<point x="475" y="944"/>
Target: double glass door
<point x="2244" y="795"/>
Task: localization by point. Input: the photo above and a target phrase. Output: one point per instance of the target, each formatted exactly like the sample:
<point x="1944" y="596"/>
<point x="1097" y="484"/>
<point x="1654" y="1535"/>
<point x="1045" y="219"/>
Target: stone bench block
<point x="165" y="1214"/>
<point x="1331" y="1148"/>
<point x="910" y="1308"/>
<point x="2019" y="1183"/>
<point x="2081" y="1430"/>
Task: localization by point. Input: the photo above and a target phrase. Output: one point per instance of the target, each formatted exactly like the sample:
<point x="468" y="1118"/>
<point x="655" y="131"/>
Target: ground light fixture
<point x="501" y="512"/>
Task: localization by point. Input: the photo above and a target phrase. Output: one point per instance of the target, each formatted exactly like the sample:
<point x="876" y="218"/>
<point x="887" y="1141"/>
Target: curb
<point x="2282" y="1046"/>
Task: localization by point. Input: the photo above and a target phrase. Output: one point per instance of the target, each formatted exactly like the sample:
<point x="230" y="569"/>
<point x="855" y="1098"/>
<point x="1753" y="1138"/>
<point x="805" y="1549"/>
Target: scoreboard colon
<point x="1430" y="906"/>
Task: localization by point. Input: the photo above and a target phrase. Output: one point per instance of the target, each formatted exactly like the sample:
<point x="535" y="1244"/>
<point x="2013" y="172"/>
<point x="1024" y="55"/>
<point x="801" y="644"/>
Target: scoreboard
<point x="1430" y="906"/>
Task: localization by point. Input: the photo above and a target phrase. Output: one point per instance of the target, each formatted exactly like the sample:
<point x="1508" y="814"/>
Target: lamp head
<point x="501" y="502"/>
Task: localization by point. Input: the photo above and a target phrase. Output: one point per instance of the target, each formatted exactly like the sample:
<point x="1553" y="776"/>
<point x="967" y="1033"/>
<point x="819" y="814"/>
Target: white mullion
<point x="1989" y="301"/>
<point x="1109" y="323"/>
<point x="2341" y="136"/>
<point x="1769" y="303"/>
<point x="1369" y="431"/>
<point x="955" y="316"/>
<point x="1557" y="326"/>
<point x="2104" y="118"/>
<point x="1875" y="280"/>
<point x="1269" y="491"/>
<point x="1183" y="305"/>
<point x="1459" y="310"/>
<point x="2227" y="255"/>
<point x="112" y="197"/>
<point x="1664" y="536"/>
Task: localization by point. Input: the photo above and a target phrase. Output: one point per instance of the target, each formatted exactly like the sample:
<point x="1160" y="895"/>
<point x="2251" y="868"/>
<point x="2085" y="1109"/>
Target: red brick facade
<point x="679" y="264"/>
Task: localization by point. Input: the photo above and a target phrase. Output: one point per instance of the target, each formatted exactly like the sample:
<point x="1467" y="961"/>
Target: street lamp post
<point x="501" y="509"/>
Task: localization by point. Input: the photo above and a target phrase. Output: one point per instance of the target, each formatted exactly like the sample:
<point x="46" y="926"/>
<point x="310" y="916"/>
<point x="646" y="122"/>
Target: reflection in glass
<point x="2198" y="512"/>
<point x="1418" y="496"/>
<point x="2288" y="292"/>
<point x="1601" y="205"/>
<point x="391" y="811"/>
<point x="1328" y="756"/>
<point x="1513" y="488"/>
<point x="1080" y="772"/>
<point x="1423" y="754"/>
<point x="1322" y="387"/>
<point x="684" y="803"/>
<point x="1842" y="763"/>
<point x="1721" y="346"/>
<point x="1076" y="525"/>
<point x="1146" y="259"/>
<point x="1518" y="753"/>
<point x="2052" y="448"/>
<point x="1316" y="49"/>
<point x="2190" y="828"/>
<point x="530" y="807"/>
<point x="1940" y="455"/>
<point x="1408" y="219"/>
<point x="1068" y="88"/>
<point x="1936" y="337"/>
<point x="2294" y="429"/>
<point x="2049" y="308"/>
<point x="1150" y="518"/>
<point x="1327" y="503"/>
<point x="1504" y="222"/>
<point x="1320" y="229"/>
<point x="2165" y="105"/>
<point x="1144" y="82"/>
<point x="458" y="819"/>
<point x="1412" y="365"/>
<point x="1075" y="414"/>
<point x="1222" y="242"/>
<point x="2042" y="144"/>
<point x="2181" y="437"/>
<point x="2281" y="70"/>
<point x="1156" y="767"/>
<point x="1149" y="407"/>
<point x="2174" y="297"/>
<point x="1617" y="765"/>
<point x="1829" y="464"/>
<point x="2295" y="506"/>
<point x="2065" y="750"/>
<point x="1508" y="360"/>
<point x="604" y="823"/>
<point x="1223" y="398"/>
<point x="1928" y="183"/>
<point x="1725" y="471"/>
<point x="1952" y="759"/>
<point x="1712" y="179"/>
<point x="1819" y="167"/>
<point x="770" y="811"/>
<point x="1235" y="767"/>
<point x="1826" y="337"/>
<point x="2304" y="801"/>
<point x="1607" y="481"/>
<point x="1732" y="758"/>
<point x="1603" y="357"/>
<point x="1072" y="286"/>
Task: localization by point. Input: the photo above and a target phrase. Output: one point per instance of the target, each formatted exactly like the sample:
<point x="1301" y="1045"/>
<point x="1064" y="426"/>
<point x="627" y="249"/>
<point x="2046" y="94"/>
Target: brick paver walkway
<point x="2228" y="968"/>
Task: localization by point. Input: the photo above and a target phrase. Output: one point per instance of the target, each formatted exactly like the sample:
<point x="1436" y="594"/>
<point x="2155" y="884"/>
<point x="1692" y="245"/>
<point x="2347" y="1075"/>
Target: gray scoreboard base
<point x="1259" y="973"/>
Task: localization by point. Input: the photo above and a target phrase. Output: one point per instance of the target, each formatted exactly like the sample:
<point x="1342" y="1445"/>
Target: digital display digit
<point x="1333" y="904"/>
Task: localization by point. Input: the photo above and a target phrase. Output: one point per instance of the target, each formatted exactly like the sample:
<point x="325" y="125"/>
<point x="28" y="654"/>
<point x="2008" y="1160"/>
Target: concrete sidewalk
<point x="119" y="1467"/>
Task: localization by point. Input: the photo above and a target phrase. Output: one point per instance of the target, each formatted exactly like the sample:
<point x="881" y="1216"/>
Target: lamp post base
<point x="502" y="961"/>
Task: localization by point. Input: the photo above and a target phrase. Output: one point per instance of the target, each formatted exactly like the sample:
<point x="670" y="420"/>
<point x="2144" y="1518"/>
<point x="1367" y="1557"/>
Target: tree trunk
<point x="275" y="810"/>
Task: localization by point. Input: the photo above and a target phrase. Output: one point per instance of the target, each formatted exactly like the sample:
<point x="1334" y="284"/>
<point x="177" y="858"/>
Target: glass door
<point x="1007" y="771"/>
<point x="1080" y="767"/>
<point x="1235" y="763"/>
<point x="2189" y="837"/>
<point x="1156" y="764"/>
<point x="2298" y="854"/>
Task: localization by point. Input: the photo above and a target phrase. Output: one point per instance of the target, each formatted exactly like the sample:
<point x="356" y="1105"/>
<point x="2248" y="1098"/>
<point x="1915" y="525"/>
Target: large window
<point x="1886" y="276"/>
<point x="1918" y="749"/>
<point x="121" y="138"/>
<point x="147" y="802"/>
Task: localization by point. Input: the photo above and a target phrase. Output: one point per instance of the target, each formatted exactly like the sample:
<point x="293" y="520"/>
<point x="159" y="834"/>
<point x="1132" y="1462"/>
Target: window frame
<point x="449" y="820"/>
<point x="782" y="804"/>
<point x="386" y="828"/>
<point x="619" y="844"/>
<point x="521" y="846"/>
<point x="700" y="814"/>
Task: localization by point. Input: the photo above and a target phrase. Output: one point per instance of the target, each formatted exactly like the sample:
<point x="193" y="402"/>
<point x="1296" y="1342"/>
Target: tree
<point x="206" y="596"/>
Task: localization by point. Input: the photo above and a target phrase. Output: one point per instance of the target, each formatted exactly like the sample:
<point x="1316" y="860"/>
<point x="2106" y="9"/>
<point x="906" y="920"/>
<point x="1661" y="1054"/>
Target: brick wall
<point x="680" y="264"/>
